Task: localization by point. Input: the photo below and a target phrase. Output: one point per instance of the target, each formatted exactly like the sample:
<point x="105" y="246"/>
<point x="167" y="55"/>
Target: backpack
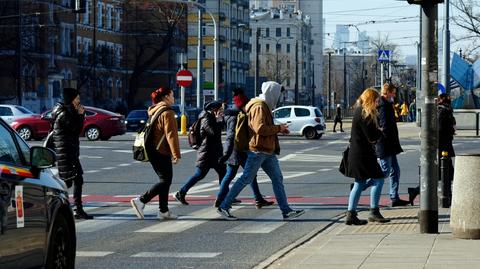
<point x="194" y="137"/>
<point x="242" y="133"/>
<point x="139" y="149"/>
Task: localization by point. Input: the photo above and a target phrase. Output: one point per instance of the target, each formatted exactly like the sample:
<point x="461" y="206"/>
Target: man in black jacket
<point x="210" y="149"/>
<point x="388" y="147"/>
<point x="68" y="117"/>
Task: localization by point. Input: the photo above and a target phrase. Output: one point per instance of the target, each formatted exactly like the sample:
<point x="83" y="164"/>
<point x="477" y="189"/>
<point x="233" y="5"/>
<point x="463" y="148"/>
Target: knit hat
<point x="238" y="91"/>
<point x="212" y="105"/>
<point x="69" y="94"/>
<point x="240" y="100"/>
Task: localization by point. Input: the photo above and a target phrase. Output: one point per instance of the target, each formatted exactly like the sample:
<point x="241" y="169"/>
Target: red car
<point x="99" y="124"/>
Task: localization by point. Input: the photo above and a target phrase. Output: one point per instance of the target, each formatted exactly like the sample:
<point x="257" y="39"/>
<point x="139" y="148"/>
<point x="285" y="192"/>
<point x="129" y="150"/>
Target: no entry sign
<point x="184" y="78"/>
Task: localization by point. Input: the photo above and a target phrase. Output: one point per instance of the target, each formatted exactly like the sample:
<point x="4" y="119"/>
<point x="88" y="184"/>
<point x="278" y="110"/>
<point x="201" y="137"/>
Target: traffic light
<point x="79" y="6"/>
<point x="424" y="2"/>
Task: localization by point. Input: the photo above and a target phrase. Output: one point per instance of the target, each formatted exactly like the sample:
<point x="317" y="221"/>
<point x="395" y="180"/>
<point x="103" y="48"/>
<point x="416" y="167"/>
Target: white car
<point x="305" y="121"/>
<point x="10" y="113"/>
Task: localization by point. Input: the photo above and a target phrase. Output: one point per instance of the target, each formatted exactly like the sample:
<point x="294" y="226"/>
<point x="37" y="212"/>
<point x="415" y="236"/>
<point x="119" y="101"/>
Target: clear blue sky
<point x="392" y="18"/>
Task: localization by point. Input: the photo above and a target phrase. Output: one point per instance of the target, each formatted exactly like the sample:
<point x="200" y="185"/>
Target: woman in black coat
<point x="210" y="150"/>
<point x="68" y="117"/>
<point x="362" y="162"/>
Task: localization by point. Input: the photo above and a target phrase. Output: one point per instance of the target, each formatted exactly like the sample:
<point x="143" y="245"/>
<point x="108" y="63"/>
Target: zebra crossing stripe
<point x="184" y="223"/>
<point x="262" y="224"/>
<point x="310" y="158"/>
<point x="176" y="255"/>
<point x="93" y="253"/>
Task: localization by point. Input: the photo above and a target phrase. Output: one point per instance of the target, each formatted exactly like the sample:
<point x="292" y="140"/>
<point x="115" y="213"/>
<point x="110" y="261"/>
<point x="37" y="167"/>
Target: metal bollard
<point x="445" y="186"/>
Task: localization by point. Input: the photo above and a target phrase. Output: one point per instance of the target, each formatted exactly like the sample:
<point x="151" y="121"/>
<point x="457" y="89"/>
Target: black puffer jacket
<point x="211" y="148"/>
<point x="67" y="127"/>
<point x="389" y="143"/>
<point x="229" y="150"/>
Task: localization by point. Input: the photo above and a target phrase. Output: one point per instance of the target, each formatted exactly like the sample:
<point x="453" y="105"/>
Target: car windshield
<point x="24" y="110"/>
<point x="318" y="113"/>
<point x="138" y="114"/>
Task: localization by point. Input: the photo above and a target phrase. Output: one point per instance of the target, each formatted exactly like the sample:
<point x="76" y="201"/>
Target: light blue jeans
<point x="391" y="169"/>
<point x="269" y="164"/>
<point x="360" y="185"/>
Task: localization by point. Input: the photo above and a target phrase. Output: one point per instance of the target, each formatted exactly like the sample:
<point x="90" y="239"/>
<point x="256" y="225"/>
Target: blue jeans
<point x="269" y="164"/>
<point x="390" y="168"/>
<point x="200" y="173"/>
<point x="360" y="185"/>
<point x="229" y="176"/>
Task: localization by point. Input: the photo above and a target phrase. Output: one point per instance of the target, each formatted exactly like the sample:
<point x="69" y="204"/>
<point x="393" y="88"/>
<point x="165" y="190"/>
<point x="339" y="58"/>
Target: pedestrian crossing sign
<point x="383" y="56"/>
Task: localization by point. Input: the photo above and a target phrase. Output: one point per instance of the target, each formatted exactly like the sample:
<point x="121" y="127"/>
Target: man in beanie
<point x="234" y="158"/>
<point x="263" y="150"/>
<point x="68" y="117"/>
<point x="210" y="149"/>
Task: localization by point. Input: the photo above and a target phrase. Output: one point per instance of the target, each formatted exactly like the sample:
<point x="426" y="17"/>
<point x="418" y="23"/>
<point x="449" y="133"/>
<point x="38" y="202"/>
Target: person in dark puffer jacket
<point x="210" y="150"/>
<point x="68" y="117"/>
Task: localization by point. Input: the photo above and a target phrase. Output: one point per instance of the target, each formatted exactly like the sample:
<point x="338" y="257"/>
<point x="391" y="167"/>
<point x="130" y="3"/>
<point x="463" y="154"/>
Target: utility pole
<point x="446" y="47"/>
<point x="329" y="101"/>
<point x="344" y="79"/>
<point x="257" y="62"/>
<point x="19" y="54"/>
<point x="199" y="59"/>
<point x="428" y="214"/>
<point x="296" y="71"/>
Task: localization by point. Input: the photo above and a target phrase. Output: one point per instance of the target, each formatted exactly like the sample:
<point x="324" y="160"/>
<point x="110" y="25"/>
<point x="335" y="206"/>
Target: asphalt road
<point x="200" y="238"/>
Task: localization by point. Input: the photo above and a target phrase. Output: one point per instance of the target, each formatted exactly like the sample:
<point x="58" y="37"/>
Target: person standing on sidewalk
<point x="388" y="147"/>
<point x="235" y="158"/>
<point x="163" y="151"/>
<point x="68" y="117"/>
<point x="404" y="112"/>
<point x="362" y="160"/>
<point x="210" y="150"/>
<point x="338" y="119"/>
<point x="263" y="150"/>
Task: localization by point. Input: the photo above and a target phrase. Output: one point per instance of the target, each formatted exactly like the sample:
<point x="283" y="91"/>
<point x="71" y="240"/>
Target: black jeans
<point x="162" y="165"/>
<point x="77" y="190"/>
<point x="335" y="124"/>
<point x="201" y="172"/>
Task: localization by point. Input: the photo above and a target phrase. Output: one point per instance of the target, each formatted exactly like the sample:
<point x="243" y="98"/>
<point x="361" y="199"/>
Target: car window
<point x="89" y="113"/>
<point x="138" y="114"/>
<point x="23" y="110"/>
<point x="24" y="148"/>
<point x="282" y="113"/>
<point x="302" y="112"/>
<point x="6" y="111"/>
<point x="318" y="113"/>
<point x="8" y="151"/>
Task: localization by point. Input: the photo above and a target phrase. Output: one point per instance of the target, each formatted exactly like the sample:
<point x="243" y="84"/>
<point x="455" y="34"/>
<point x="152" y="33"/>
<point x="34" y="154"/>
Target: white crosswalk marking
<point x="262" y="224"/>
<point x="184" y="222"/>
<point x="106" y="221"/>
<point x="310" y="158"/>
<point x="93" y="253"/>
<point x="176" y="254"/>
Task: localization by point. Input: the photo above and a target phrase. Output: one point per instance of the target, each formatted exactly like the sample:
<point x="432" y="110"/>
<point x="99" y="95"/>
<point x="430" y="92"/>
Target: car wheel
<point x="61" y="249"/>
<point x="92" y="133"/>
<point x="25" y="132"/>
<point x="310" y="133"/>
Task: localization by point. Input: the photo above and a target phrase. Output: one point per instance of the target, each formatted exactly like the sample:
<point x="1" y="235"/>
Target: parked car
<point x="136" y="119"/>
<point x="32" y="127"/>
<point x="99" y="123"/>
<point x="10" y="113"/>
<point x="305" y="121"/>
<point x="37" y="227"/>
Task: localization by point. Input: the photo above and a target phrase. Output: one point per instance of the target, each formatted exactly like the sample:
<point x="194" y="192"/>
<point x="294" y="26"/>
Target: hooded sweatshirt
<point x="166" y="125"/>
<point x="260" y="120"/>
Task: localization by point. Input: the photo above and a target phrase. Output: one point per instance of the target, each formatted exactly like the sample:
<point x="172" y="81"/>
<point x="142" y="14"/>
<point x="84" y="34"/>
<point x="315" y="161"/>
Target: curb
<point x="298" y="243"/>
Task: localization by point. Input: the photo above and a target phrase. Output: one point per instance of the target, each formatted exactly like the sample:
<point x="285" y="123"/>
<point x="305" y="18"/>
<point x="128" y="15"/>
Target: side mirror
<point x="41" y="157"/>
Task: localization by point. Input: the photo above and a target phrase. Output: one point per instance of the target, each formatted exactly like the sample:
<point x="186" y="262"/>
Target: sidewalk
<point x="397" y="244"/>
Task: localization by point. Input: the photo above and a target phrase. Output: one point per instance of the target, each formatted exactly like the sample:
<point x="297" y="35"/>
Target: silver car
<point x="305" y="121"/>
<point x="10" y="113"/>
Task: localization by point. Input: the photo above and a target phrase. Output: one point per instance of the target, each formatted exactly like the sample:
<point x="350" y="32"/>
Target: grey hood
<point x="271" y="91"/>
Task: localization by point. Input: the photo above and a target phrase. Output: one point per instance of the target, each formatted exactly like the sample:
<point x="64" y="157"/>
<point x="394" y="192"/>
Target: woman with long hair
<point x="362" y="161"/>
<point x="163" y="150"/>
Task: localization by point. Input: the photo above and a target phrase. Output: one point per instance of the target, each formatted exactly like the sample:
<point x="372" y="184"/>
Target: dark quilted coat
<point x="211" y="148"/>
<point x="67" y="127"/>
<point x="389" y="143"/>
<point x="231" y="121"/>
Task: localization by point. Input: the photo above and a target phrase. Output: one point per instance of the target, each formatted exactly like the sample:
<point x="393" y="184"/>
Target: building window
<point x="109" y="17"/>
<point x="288" y="31"/>
<point x="267" y="48"/>
<point x="267" y="32"/>
<point x="279" y="47"/>
<point x="119" y="89"/>
<point x="100" y="15"/>
<point x="288" y="48"/>
<point x="86" y="15"/>
<point x="278" y="32"/>
<point x="288" y="64"/>
<point x="66" y="40"/>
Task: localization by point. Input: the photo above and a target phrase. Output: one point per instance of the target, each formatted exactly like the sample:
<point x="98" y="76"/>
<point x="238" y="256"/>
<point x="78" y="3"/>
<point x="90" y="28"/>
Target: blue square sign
<point x="383" y="56"/>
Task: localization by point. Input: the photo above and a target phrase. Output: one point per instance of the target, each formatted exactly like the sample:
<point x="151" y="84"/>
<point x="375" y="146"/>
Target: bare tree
<point x="468" y="18"/>
<point x="152" y="27"/>
<point x="383" y="43"/>
<point x="277" y="71"/>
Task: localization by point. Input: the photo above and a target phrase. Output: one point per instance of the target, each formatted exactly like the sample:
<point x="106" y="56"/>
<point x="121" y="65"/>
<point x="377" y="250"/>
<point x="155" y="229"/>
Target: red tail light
<point x="318" y="120"/>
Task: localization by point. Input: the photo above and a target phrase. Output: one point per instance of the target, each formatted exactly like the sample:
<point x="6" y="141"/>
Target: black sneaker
<point x="217" y="203"/>
<point x="236" y="201"/>
<point x="262" y="203"/>
<point x="400" y="202"/>
<point x="225" y="213"/>
<point x="293" y="214"/>
<point x="80" y="214"/>
<point x="181" y="198"/>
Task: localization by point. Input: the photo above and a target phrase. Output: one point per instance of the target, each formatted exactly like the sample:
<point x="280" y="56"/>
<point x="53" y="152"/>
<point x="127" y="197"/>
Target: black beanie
<point x="212" y="105"/>
<point x="69" y="94"/>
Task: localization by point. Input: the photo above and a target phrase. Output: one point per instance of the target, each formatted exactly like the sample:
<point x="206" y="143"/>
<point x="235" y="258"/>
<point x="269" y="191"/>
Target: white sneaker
<point x="138" y="207"/>
<point x="166" y="216"/>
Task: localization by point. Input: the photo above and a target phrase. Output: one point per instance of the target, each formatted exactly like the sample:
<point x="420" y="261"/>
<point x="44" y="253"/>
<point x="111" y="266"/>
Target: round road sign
<point x="184" y="78"/>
